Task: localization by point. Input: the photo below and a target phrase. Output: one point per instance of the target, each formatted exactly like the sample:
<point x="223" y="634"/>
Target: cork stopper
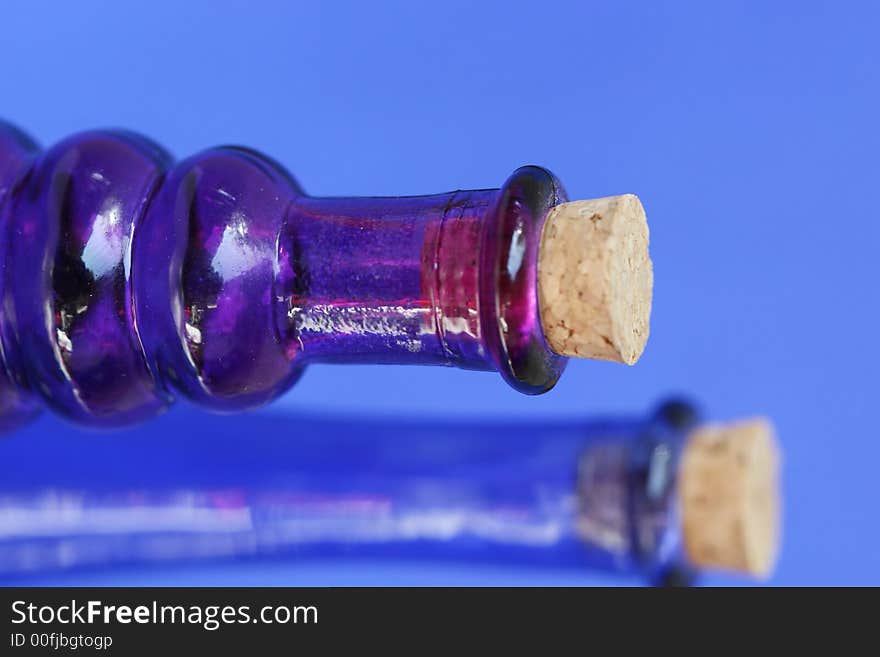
<point x="729" y="494"/>
<point x="595" y="279"/>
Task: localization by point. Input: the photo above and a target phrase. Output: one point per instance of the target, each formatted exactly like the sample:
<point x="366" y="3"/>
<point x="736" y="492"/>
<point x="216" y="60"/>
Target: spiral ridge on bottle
<point x="127" y="277"/>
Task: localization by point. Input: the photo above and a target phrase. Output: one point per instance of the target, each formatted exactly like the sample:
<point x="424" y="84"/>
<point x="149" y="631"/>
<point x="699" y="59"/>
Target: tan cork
<point x="595" y="279"/>
<point x="729" y="494"/>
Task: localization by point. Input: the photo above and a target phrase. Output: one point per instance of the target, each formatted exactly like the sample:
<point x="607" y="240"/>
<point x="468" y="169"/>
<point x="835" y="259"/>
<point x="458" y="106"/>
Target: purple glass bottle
<point x="126" y="277"/>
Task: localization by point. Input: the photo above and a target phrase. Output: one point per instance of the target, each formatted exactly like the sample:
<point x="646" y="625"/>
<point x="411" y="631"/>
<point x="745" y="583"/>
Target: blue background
<point x="749" y="130"/>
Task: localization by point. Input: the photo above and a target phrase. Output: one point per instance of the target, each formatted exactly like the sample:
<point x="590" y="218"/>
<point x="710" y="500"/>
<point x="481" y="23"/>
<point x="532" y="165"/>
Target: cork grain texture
<point x="595" y="279"/>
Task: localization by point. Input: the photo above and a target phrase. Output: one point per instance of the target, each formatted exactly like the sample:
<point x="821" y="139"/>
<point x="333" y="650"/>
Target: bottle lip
<point x="509" y="305"/>
<point x="653" y="507"/>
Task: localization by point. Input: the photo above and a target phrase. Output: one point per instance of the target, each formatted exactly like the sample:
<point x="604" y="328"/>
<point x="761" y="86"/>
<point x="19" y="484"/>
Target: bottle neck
<point x="387" y="280"/>
<point x="448" y="279"/>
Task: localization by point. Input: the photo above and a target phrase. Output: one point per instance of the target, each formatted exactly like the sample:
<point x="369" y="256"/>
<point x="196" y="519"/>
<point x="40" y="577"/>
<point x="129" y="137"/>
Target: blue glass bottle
<point x="598" y="495"/>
